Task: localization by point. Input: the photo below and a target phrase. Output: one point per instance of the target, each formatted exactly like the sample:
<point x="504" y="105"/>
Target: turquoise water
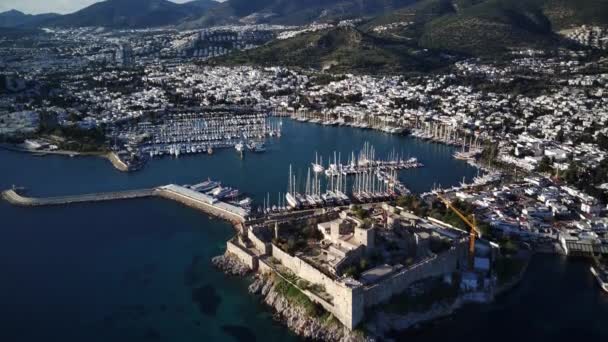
<point x="140" y="270"/>
<point x="120" y="272"/>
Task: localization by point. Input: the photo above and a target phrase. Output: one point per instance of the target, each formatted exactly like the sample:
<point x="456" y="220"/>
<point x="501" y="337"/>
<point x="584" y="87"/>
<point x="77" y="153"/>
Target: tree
<point x="489" y="153"/>
<point x="363" y="264"/>
<point x="484" y="228"/>
<point x="572" y="174"/>
<point x="405" y="201"/>
<point x="602" y="141"/>
<point x="545" y="165"/>
<point x="291" y="245"/>
<point x="352" y="271"/>
<point x="360" y="213"/>
<point x="560" y="136"/>
<point x="508" y="247"/>
<point x="311" y="232"/>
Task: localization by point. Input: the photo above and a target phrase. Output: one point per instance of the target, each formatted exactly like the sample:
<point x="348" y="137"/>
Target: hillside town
<point x="535" y="124"/>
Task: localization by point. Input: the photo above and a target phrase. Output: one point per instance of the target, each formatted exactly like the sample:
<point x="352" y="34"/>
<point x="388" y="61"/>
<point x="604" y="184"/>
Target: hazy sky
<point x="46" y="6"/>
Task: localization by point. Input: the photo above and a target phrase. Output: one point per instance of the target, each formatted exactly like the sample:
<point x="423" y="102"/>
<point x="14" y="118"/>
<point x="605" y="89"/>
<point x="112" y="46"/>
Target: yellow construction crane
<point x="470" y="221"/>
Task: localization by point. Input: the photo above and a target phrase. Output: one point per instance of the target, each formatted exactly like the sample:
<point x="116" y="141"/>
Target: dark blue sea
<point x="140" y="270"/>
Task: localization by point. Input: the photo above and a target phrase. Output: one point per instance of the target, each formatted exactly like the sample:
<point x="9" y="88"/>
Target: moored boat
<point x="601" y="275"/>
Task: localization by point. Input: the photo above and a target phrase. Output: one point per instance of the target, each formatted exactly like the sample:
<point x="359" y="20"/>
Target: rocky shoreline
<point x="380" y="325"/>
<point x="230" y="264"/>
<point x="297" y="319"/>
<point x="293" y="316"/>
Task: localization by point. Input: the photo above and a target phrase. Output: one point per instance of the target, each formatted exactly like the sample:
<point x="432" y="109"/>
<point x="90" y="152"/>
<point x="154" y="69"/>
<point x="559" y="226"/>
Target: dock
<point x="172" y="192"/>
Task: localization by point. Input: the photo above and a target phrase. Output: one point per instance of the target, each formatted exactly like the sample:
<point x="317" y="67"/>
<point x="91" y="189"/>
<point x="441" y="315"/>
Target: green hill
<point x="482" y="27"/>
<point x="489" y="27"/>
<point x="567" y="13"/>
<point x="18" y="19"/>
<point x="343" y="49"/>
<point x="294" y="12"/>
<point x="413" y="37"/>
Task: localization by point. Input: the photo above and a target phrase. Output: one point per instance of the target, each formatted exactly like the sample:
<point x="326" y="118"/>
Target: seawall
<point x="14" y="198"/>
<point x="172" y="192"/>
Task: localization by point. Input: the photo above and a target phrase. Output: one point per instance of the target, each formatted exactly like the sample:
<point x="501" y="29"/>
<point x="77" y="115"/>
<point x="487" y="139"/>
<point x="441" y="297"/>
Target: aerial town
<point x="535" y="125"/>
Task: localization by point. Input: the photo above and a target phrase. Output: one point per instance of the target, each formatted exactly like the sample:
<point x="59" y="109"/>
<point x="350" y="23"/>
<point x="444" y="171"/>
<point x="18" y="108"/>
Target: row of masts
<point x="326" y="118"/>
<point x="196" y="134"/>
<point x="364" y="161"/>
<point x="372" y="185"/>
<point x="447" y="134"/>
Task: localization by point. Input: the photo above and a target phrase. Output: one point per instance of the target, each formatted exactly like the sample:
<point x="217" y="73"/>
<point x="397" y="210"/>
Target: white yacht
<point x="601" y="275"/>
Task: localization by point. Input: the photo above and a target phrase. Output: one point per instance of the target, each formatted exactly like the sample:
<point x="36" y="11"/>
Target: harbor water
<point x="557" y="300"/>
<point x="140" y="270"/>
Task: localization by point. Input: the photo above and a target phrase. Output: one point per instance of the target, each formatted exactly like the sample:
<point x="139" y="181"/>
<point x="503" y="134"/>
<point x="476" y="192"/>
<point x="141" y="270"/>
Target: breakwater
<point x="13" y="197"/>
<point x="172" y="192"/>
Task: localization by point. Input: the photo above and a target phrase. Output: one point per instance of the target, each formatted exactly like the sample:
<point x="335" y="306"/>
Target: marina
<point x="489" y="177"/>
<point x="365" y="162"/>
<point x="199" y="133"/>
<point x="143" y="253"/>
<point x="447" y="134"/>
<point x="362" y="179"/>
<point x="326" y="119"/>
<point x="366" y="185"/>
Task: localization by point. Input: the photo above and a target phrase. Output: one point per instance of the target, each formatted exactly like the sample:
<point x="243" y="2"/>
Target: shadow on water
<point x="557" y="300"/>
<point x="239" y="333"/>
<point x="207" y="300"/>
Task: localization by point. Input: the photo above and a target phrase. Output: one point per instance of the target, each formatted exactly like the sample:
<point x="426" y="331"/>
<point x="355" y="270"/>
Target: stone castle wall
<point x="302" y="269"/>
<point x="261" y="246"/>
<point x="347" y="304"/>
<point x="243" y="255"/>
<point x="349" y="301"/>
<point x="446" y="263"/>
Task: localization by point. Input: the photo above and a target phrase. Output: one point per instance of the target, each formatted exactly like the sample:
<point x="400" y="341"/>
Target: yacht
<point x="257" y="147"/>
<point x="206" y="186"/>
<point x="317" y="167"/>
<point x="292" y="200"/>
<point x="601" y="274"/>
<point x="221" y="192"/>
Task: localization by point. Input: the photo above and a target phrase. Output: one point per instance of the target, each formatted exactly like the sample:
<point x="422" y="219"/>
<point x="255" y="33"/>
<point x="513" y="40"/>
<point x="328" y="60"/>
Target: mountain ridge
<point x="15" y="19"/>
<point x="133" y="14"/>
<point x="293" y="12"/>
<point x="491" y="26"/>
<point x="340" y="49"/>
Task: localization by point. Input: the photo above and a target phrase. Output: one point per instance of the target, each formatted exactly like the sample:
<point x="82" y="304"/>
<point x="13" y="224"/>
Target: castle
<point x="348" y="260"/>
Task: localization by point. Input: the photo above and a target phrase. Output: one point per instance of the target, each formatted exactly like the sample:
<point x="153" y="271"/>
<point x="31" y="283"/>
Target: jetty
<point x="13" y="197"/>
<point x="177" y="193"/>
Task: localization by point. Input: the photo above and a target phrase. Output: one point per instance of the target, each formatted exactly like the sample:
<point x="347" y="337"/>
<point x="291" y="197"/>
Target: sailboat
<point x="316" y="166"/>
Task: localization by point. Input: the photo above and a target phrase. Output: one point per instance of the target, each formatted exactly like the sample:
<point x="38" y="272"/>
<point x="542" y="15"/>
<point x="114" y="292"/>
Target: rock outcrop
<point x="296" y="317"/>
<point x="230" y="265"/>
